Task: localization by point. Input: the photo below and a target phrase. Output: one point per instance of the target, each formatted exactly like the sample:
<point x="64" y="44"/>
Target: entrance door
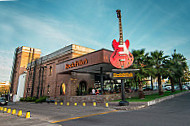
<point x="82" y="88"/>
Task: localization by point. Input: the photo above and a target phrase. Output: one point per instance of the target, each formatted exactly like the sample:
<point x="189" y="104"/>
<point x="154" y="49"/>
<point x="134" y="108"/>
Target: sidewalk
<point x="139" y="105"/>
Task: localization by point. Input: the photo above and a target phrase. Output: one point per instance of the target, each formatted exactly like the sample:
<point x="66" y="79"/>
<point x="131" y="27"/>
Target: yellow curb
<point x="9" y="110"/>
<point x="67" y="103"/>
<point x="107" y="105"/>
<point x="84" y="116"/>
<point x="27" y="114"/>
<point x="83" y="104"/>
<point x="94" y="104"/>
<point x="19" y="113"/>
<point x="13" y="111"/>
<point x="5" y="110"/>
<point x="55" y="103"/>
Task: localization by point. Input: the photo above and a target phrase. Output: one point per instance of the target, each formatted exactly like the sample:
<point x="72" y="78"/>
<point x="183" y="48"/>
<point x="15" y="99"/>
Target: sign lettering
<point x="122" y="75"/>
<point x="76" y="64"/>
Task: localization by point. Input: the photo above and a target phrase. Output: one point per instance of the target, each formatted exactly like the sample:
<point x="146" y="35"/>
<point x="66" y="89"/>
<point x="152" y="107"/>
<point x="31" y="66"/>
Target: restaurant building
<point x="70" y="71"/>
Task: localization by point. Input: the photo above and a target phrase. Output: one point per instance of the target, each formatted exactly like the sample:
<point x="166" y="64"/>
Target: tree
<point x="186" y="77"/>
<point x="157" y="61"/>
<point x="171" y="70"/>
<point x="140" y="58"/>
<point x="181" y="66"/>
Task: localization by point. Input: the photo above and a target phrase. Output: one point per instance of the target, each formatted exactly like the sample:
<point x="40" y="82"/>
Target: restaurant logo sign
<point x="122" y="75"/>
<point x="76" y="64"/>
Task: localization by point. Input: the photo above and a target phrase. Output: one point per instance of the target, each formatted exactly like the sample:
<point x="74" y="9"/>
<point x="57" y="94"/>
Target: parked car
<point x="167" y="87"/>
<point x="188" y="86"/>
<point x="176" y="87"/>
<point x="3" y="101"/>
<point x="184" y="87"/>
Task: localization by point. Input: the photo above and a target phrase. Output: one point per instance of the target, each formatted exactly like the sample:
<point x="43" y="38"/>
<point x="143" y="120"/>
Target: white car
<point x="167" y="87"/>
<point x="184" y="87"/>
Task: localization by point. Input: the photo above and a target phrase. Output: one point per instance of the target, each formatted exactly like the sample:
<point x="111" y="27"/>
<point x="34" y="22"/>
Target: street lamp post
<point x="123" y="102"/>
<point x="123" y="74"/>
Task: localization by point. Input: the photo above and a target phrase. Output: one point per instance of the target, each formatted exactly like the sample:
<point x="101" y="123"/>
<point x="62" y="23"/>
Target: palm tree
<point x="139" y="63"/>
<point x="186" y="77"/>
<point x="157" y="60"/>
<point x="180" y="65"/>
<point x="171" y="70"/>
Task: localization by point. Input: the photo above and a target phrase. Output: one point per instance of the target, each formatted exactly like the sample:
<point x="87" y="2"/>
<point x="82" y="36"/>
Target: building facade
<point x="42" y="78"/>
<point x="70" y="71"/>
<point x="22" y="56"/>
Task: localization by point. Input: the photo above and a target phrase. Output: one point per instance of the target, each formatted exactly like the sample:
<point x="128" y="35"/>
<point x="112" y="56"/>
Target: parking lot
<point x="44" y="113"/>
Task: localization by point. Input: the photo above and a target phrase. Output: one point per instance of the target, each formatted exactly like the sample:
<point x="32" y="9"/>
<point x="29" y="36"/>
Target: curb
<point x="130" y="108"/>
<point x="146" y="104"/>
<point x="165" y="98"/>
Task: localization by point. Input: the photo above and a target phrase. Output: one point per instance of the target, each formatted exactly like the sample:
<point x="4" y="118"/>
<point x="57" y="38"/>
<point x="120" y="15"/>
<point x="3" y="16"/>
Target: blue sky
<point x="52" y="24"/>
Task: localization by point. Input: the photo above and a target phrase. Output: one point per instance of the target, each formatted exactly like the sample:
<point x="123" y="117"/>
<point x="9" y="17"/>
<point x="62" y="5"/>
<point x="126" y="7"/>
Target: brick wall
<point x="100" y="98"/>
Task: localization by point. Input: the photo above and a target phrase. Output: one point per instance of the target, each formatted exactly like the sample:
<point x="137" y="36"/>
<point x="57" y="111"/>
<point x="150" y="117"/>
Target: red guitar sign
<point x="121" y="57"/>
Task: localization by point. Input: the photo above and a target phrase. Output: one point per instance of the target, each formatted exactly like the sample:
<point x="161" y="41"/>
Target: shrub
<point x="28" y="99"/>
<point x="31" y="99"/>
<point x="41" y="99"/>
<point x="22" y="99"/>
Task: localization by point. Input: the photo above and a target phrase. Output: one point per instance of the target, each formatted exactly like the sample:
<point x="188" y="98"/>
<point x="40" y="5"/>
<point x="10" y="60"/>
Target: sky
<point x="53" y="24"/>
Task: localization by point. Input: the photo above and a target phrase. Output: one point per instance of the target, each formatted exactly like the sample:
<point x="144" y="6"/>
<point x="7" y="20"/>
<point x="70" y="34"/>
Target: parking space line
<point x="84" y="116"/>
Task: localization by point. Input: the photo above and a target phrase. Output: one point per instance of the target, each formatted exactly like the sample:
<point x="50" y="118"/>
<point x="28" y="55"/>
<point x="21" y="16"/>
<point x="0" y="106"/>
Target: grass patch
<point x="150" y="97"/>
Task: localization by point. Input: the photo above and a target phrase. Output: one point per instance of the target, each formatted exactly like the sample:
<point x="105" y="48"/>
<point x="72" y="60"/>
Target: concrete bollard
<point x="83" y="104"/>
<point x="4" y="110"/>
<point x="27" y="114"/>
<point x="94" y="104"/>
<point x="13" y="111"/>
<point x="61" y="103"/>
<point x="67" y="103"/>
<point x="75" y="104"/>
<point x="9" y="110"/>
<point x="19" y="113"/>
<point x="107" y="105"/>
<point x="55" y="103"/>
<point x="1" y="108"/>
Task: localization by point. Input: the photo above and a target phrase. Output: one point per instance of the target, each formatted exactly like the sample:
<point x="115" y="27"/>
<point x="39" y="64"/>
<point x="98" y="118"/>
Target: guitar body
<point x="121" y="57"/>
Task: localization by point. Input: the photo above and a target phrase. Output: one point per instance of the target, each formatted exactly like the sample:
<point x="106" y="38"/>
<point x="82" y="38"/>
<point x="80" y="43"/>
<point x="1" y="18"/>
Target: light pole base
<point x="123" y="103"/>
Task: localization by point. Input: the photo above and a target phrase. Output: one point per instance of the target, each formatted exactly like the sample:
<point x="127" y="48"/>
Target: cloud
<point x="22" y="30"/>
<point x="8" y="0"/>
<point x="46" y="33"/>
<point x="5" y="65"/>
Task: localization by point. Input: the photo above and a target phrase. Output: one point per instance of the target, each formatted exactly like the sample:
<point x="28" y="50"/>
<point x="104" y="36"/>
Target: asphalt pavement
<point x="173" y="112"/>
<point x="43" y="113"/>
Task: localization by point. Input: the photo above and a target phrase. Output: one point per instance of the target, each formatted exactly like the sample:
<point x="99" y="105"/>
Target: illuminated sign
<point x="76" y="64"/>
<point x="122" y="75"/>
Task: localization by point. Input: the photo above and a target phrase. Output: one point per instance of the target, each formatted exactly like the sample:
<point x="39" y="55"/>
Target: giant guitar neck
<point x="120" y="27"/>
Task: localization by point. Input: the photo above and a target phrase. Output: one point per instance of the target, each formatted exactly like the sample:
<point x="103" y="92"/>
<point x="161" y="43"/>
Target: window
<point x="50" y="70"/>
<point x="48" y="89"/>
<point x="62" y="89"/>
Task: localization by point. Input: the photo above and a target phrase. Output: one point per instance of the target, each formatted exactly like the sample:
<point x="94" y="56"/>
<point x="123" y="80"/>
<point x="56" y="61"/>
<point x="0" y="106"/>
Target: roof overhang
<point x="89" y="63"/>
